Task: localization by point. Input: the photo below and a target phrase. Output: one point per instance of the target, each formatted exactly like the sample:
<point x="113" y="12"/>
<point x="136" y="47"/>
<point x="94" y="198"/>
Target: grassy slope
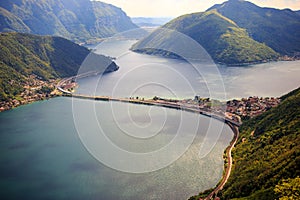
<point x="269" y="154"/>
<point x="221" y="37"/>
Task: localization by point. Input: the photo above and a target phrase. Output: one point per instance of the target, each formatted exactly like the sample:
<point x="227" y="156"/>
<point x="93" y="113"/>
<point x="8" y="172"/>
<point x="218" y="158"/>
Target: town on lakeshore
<point x="34" y="89"/>
<point x="236" y="110"/>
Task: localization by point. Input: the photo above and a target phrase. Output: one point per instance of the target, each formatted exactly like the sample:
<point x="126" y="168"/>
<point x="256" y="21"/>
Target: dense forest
<point x="268" y="152"/>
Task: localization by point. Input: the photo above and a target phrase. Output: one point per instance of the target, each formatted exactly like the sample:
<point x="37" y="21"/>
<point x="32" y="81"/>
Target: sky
<point x="174" y="8"/>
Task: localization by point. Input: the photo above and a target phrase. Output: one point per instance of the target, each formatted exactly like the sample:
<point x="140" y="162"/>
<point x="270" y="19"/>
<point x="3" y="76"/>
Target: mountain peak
<point x="234" y="4"/>
<point x="279" y="29"/>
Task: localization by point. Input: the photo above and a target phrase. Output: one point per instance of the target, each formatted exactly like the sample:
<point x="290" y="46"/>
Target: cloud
<point x="179" y="7"/>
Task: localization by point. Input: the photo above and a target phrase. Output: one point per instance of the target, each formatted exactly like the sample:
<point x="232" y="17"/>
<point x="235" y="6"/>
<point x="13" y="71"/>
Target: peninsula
<point x="31" y="66"/>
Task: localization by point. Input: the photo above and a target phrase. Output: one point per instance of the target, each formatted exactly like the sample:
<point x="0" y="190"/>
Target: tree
<point x="288" y="189"/>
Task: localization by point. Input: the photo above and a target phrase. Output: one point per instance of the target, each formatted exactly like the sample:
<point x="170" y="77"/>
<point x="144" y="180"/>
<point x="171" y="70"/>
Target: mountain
<point x="268" y="153"/>
<point x="222" y="38"/>
<point x="44" y="57"/>
<point x="279" y="29"/>
<point x="78" y="20"/>
<point x="150" y="21"/>
<point x="235" y="32"/>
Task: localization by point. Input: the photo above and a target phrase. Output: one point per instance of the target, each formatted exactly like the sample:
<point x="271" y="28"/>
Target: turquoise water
<point x="42" y="157"/>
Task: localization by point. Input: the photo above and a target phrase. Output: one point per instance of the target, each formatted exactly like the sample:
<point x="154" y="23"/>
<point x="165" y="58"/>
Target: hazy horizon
<point x="162" y="8"/>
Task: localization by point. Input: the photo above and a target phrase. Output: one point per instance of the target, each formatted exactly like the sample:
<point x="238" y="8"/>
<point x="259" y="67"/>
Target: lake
<point x="51" y="149"/>
<point x="149" y="76"/>
<point x="42" y="156"/>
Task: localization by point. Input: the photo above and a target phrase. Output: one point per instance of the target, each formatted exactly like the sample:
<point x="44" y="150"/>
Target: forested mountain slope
<point x="221" y="37"/>
<point x="45" y="57"/>
<point x="268" y="154"/>
<point x="78" y="20"/>
<point x="235" y="32"/>
<point x="279" y="29"/>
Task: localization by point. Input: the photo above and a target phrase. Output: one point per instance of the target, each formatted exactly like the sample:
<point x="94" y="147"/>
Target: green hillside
<point x="46" y="57"/>
<point x="279" y="29"/>
<point x="268" y="154"/>
<point x="78" y="20"/>
<point x="225" y="41"/>
<point x="235" y="32"/>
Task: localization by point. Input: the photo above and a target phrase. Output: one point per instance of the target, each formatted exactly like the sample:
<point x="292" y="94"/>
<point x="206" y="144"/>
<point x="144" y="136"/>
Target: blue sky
<point x="174" y="8"/>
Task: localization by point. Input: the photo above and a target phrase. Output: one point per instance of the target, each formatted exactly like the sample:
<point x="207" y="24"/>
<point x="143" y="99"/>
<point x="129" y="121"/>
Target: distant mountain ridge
<point x="78" y="20"/>
<point x="150" y="21"/>
<point x="235" y="32"/>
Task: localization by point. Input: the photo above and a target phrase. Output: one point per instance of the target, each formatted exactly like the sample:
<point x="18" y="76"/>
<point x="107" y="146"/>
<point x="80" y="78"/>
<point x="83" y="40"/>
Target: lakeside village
<point x="237" y="110"/>
<point x="34" y="89"/>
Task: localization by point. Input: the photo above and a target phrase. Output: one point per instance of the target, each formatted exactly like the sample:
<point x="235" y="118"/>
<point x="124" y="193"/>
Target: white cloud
<point x="179" y="7"/>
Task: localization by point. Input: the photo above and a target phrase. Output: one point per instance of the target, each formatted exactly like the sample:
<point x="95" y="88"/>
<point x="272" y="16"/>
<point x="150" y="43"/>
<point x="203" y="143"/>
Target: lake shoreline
<point x="10" y="105"/>
<point x="33" y="90"/>
<point x="176" y="57"/>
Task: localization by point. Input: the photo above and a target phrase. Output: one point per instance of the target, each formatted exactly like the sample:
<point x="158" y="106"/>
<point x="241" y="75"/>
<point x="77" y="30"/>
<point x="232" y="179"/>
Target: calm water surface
<point x="42" y="156"/>
<point x="147" y="76"/>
